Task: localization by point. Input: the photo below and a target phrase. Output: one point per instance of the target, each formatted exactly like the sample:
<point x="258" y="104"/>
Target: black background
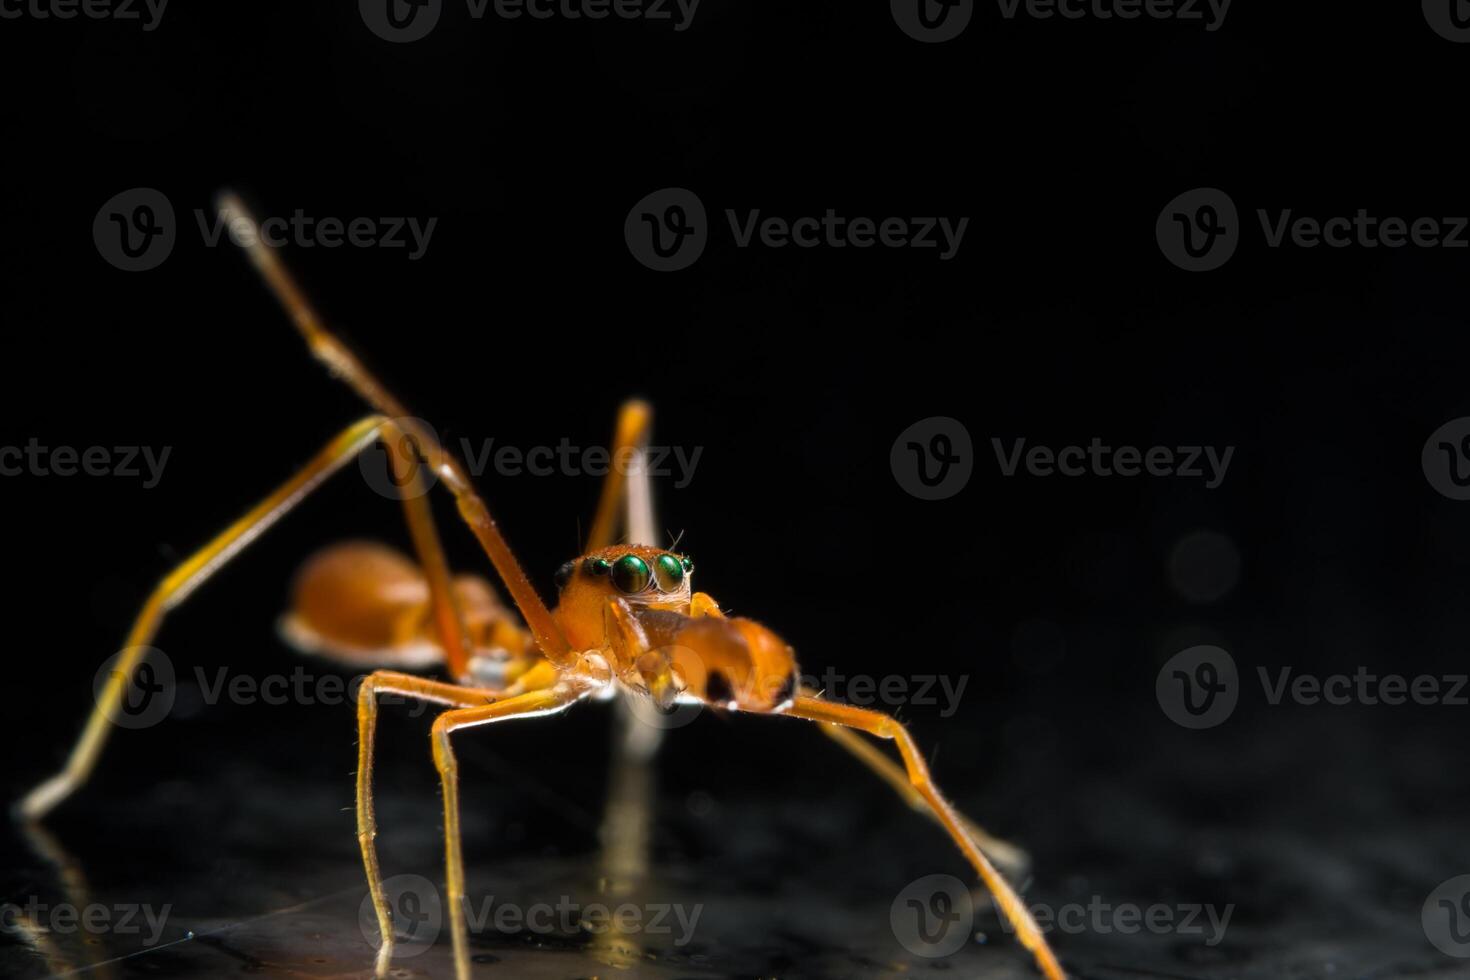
<point x="793" y="371"/>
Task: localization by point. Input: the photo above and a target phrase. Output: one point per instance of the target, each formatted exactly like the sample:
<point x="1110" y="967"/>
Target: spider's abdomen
<point x="365" y="603"/>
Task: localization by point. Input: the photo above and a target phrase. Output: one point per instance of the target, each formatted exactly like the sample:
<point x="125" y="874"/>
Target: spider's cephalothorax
<point x="647" y="578"/>
<point x="634" y="605"/>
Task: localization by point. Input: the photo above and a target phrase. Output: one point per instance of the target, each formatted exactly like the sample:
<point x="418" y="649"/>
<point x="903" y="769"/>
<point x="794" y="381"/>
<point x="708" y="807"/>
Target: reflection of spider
<point x="626" y="620"/>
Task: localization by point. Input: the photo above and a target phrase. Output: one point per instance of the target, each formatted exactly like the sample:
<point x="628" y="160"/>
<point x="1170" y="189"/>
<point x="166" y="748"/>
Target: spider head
<point x="646" y="577"/>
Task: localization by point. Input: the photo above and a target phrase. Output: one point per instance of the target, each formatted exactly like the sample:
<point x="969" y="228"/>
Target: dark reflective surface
<point x="252" y="869"/>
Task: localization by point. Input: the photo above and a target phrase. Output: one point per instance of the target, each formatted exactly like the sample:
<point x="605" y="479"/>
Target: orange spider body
<point x="364" y="603"/>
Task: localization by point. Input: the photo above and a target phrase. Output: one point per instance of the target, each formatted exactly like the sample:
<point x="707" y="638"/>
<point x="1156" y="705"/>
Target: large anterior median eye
<point x="630" y="574"/>
<point x="670" y="573"/>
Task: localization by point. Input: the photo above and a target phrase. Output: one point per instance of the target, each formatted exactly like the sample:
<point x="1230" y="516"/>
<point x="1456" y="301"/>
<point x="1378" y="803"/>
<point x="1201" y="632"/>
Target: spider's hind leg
<point x="880" y="725"/>
<point x="1010" y="858"/>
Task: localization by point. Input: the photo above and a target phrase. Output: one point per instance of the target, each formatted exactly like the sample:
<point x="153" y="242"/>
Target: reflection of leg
<point x="627" y="828"/>
<point x="627" y="818"/>
<point x="77" y="893"/>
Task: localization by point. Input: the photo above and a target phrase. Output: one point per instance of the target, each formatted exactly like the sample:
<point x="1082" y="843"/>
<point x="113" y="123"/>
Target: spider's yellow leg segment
<point x="1004" y="853"/>
<point x="630" y="439"/>
<point x="419" y="688"/>
<point x="531" y="704"/>
<point x="174" y="589"/>
<point x="448" y="619"/>
<point x="345" y="364"/>
<point x="882" y="726"/>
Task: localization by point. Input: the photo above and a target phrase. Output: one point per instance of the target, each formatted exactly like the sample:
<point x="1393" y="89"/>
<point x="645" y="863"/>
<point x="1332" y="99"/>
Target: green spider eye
<point x="669" y="571"/>
<point x="596" y="566"/>
<point x="630" y="574"/>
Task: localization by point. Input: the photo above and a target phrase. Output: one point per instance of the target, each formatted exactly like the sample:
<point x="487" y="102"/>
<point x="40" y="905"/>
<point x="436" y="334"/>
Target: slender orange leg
<point x="345" y="364"/>
<point x="173" y="590"/>
<point x="387" y="681"/>
<point x="1007" y="855"/>
<point x="448" y="618"/>
<point x="630" y="439"/>
<point x="531" y="704"/>
<point x="882" y="726"/>
<point x="1010" y="857"/>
